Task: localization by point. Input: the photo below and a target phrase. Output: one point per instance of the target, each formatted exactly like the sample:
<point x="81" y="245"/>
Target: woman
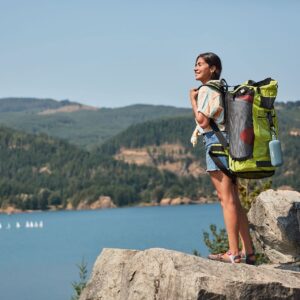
<point x="206" y="104"/>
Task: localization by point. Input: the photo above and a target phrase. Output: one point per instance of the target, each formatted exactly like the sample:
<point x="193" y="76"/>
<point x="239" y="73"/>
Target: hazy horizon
<point x="116" y="107"/>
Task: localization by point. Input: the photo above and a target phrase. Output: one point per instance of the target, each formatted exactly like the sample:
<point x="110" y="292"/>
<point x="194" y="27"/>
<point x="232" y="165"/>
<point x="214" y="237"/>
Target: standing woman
<point x="206" y="104"/>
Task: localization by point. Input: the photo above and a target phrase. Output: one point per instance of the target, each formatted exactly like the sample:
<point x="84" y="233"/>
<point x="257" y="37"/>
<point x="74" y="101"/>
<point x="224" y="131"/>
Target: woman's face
<point x="203" y="71"/>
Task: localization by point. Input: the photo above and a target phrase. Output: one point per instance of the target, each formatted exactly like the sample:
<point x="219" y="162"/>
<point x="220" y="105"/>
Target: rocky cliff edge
<point x="160" y="274"/>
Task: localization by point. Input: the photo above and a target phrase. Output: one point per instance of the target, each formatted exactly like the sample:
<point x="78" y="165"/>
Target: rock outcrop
<point x="170" y="157"/>
<point x="275" y="220"/>
<point x="100" y="203"/>
<point x="160" y="274"/>
<point x="183" y="201"/>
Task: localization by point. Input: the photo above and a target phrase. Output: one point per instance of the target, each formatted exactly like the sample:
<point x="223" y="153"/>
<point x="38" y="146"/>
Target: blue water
<point x="40" y="263"/>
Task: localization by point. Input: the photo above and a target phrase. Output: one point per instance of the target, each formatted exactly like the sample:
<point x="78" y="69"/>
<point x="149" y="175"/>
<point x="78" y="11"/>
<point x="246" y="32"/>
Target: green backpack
<point x="251" y="121"/>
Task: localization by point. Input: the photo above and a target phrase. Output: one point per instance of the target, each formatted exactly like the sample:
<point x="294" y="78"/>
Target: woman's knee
<point x="228" y="200"/>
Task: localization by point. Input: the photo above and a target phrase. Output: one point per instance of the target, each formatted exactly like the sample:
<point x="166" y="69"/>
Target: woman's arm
<point x="202" y="120"/>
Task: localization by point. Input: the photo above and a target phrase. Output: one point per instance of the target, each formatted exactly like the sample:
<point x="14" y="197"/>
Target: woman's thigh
<point x="223" y="185"/>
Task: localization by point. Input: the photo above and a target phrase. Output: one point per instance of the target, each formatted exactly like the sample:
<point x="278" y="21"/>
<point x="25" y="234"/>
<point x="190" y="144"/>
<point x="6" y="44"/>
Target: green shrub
<point x="78" y="286"/>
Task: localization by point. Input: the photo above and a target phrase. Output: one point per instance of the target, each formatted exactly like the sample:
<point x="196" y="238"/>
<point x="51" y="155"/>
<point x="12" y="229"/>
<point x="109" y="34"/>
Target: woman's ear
<point x="212" y="69"/>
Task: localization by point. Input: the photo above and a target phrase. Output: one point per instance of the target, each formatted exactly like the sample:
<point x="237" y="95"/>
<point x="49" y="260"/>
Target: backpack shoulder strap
<point x="222" y="88"/>
<point x="218" y="162"/>
<point x="217" y="87"/>
<point x="214" y="156"/>
<point x="218" y="133"/>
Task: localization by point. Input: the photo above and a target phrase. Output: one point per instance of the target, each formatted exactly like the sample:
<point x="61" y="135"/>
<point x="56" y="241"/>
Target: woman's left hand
<point x="193" y="95"/>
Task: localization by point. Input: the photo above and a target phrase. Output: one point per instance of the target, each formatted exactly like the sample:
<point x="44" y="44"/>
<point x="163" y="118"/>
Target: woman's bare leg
<point x="243" y="224"/>
<point x="235" y="218"/>
<point x="230" y="205"/>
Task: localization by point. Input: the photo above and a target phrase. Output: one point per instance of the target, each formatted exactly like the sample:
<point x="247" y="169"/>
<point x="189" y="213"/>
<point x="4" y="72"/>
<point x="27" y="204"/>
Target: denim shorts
<point x="210" y="138"/>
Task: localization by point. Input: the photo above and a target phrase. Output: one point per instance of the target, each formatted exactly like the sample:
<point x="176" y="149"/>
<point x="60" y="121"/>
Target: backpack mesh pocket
<point x="241" y="133"/>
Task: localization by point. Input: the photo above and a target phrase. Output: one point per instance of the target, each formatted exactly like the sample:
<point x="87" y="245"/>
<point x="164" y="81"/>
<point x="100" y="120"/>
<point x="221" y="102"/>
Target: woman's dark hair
<point x="212" y="59"/>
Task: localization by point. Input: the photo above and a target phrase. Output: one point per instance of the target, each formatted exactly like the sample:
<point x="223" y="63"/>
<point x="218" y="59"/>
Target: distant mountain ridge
<point x="13" y="104"/>
<point x="84" y="127"/>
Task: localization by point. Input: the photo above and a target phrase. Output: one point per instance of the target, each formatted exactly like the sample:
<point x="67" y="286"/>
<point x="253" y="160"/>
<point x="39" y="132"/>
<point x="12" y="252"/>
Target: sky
<point x="116" y="53"/>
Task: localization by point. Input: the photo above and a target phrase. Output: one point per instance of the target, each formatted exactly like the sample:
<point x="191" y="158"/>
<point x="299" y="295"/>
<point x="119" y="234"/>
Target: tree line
<point x="38" y="172"/>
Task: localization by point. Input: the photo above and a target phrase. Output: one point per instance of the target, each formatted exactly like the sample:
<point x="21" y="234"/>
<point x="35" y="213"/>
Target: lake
<point x="40" y="251"/>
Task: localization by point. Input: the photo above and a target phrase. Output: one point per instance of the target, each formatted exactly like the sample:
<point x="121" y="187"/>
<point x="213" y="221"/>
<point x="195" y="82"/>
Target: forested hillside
<point x="289" y="122"/>
<point x="38" y="172"/>
<point x="179" y="130"/>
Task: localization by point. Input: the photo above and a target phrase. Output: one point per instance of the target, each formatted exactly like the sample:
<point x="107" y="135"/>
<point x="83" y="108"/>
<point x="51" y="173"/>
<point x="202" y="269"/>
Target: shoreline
<point x="168" y="202"/>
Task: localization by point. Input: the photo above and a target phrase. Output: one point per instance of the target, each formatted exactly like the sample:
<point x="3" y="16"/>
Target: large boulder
<point x="159" y="274"/>
<point x="275" y="220"/>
